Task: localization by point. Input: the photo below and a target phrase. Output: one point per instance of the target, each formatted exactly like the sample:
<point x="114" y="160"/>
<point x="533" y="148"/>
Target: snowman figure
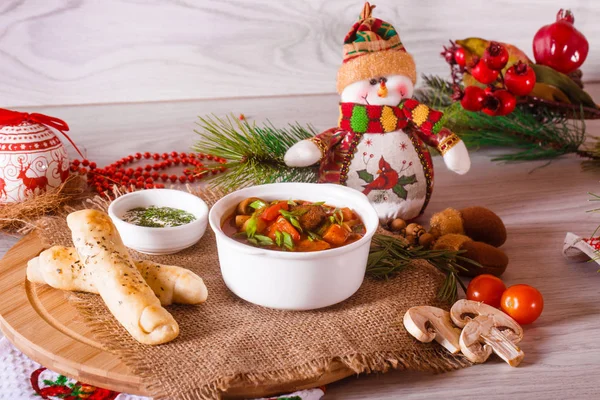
<point x="380" y="144"/>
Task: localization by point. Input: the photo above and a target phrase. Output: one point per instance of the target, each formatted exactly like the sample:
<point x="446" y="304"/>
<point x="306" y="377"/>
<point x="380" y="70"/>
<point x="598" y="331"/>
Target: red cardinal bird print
<point x="387" y="178"/>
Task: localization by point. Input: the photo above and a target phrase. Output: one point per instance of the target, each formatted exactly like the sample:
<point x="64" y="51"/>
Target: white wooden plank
<point x="92" y="51"/>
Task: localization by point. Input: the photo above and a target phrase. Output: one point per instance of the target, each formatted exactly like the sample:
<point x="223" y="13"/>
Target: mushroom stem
<point x="480" y="337"/>
<point x="503" y="347"/>
<point x="427" y="323"/>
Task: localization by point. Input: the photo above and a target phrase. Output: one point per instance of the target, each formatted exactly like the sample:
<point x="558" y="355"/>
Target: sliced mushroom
<point x="486" y="330"/>
<point x="244" y="208"/>
<point x="427" y="323"/>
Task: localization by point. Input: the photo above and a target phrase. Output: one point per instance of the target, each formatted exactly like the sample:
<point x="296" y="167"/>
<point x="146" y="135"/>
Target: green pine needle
<point x="540" y="135"/>
<point x="536" y="131"/>
<point x="389" y="255"/>
<point x="254" y="153"/>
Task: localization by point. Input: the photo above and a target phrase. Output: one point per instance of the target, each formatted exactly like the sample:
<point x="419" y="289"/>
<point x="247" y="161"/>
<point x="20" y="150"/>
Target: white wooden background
<point x="106" y="51"/>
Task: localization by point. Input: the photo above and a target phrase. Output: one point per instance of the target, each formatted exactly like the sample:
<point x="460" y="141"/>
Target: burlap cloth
<point x="227" y="340"/>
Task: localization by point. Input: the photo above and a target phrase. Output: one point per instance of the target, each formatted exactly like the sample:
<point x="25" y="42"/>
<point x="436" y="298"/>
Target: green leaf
<point x="318" y="203"/>
<point x="292" y="202"/>
<point x="314" y="236"/>
<point x="365" y="175"/>
<point x="288" y="242"/>
<point x="257" y="204"/>
<point x="278" y="238"/>
<point x="338" y="216"/>
<point x="295" y="223"/>
<point x="251" y="227"/>
<point x="407" y="180"/>
<point x="61" y="380"/>
<point x="549" y="92"/>
<point x="264" y="240"/>
<point x="552" y="77"/>
<point x="293" y="214"/>
<point x="400" y="191"/>
<point x="253" y="241"/>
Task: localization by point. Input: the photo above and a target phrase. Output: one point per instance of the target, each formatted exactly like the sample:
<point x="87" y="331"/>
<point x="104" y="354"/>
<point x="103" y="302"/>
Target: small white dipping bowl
<point x="159" y="240"/>
<point x="290" y="280"/>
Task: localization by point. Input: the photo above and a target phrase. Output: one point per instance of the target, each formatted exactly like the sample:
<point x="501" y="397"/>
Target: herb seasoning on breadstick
<point x="117" y="280"/>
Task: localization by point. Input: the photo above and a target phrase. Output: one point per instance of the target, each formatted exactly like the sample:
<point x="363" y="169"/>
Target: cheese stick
<point x="117" y="280"/>
<point x="60" y="267"/>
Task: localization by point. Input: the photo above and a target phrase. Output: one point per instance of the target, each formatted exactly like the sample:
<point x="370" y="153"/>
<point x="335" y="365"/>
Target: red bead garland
<point x="147" y="177"/>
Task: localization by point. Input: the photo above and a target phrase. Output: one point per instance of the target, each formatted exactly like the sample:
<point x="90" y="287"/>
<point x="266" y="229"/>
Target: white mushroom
<point x="427" y="323"/>
<point x="486" y="330"/>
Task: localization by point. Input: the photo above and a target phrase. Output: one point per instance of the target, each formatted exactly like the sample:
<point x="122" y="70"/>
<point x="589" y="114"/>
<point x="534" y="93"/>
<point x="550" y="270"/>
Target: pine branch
<point x="389" y="255"/>
<point x="539" y="134"/>
<point x="436" y="92"/>
<point x="254" y="153"/>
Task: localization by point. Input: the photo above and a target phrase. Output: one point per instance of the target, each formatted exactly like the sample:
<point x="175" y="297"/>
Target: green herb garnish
<point x="313" y="236"/>
<point x="158" y="217"/>
<point x="288" y="242"/>
<point x="278" y="238"/>
<point x="257" y="204"/>
<point x="251" y="227"/>
<point x="263" y="240"/>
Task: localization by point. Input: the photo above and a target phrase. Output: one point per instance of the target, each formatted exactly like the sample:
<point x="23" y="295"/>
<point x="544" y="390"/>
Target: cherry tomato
<point x="487" y="289"/>
<point x="523" y="303"/>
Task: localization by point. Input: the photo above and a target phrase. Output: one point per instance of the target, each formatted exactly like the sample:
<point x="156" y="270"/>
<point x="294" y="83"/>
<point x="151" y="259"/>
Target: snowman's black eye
<point x="383" y="79"/>
<point x="373" y="81"/>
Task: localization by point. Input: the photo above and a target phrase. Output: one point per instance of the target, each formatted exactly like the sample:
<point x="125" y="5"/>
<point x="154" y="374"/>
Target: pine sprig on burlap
<point x="389" y="255"/>
<point x="538" y="131"/>
<point x="254" y="153"/>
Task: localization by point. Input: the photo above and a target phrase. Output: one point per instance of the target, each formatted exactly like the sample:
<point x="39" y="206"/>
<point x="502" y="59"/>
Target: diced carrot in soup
<point x="348" y="214"/>
<point x="312" y="245"/>
<point x="336" y="235"/>
<point x="283" y="225"/>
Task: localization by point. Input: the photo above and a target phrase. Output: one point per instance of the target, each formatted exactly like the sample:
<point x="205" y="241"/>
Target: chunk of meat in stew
<point x="311" y="216"/>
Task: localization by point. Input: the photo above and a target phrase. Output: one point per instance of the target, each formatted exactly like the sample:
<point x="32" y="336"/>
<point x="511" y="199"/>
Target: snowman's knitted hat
<point x="373" y="48"/>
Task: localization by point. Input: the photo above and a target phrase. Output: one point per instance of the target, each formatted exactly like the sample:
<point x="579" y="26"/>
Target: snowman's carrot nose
<point x="382" y="92"/>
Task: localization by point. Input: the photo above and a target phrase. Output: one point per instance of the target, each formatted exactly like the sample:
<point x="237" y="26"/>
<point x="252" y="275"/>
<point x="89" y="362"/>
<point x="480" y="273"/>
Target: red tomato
<point x="272" y="212"/>
<point x="523" y="303"/>
<point x="487" y="289"/>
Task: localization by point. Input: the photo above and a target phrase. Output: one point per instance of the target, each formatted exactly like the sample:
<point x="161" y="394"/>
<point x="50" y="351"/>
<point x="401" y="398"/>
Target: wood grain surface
<point x="90" y="51"/>
<point x="39" y="322"/>
<point x="538" y="202"/>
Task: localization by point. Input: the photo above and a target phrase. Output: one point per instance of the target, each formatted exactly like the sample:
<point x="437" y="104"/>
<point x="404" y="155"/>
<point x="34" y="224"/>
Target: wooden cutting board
<point x="41" y="323"/>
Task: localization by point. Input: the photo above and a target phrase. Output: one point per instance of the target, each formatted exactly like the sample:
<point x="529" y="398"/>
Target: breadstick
<point x="117" y="280"/>
<point x="60" y="267"/>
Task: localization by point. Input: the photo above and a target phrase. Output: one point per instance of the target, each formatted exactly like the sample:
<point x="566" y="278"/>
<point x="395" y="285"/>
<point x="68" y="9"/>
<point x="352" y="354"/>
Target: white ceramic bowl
<point x="289" y="280"/>
<point x="159" y="240"/>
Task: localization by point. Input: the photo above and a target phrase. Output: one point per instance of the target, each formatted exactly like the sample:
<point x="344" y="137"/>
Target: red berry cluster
<point x="148" y="176"/>
<point x="499" y="97"/>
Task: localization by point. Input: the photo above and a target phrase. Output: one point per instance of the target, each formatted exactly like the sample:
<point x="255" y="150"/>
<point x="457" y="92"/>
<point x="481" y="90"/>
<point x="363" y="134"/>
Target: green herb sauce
<point x="158" y="217"/>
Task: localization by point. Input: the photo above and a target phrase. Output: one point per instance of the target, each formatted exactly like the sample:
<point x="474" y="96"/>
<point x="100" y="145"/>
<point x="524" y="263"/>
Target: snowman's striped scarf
<point x="361" y="118"/>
